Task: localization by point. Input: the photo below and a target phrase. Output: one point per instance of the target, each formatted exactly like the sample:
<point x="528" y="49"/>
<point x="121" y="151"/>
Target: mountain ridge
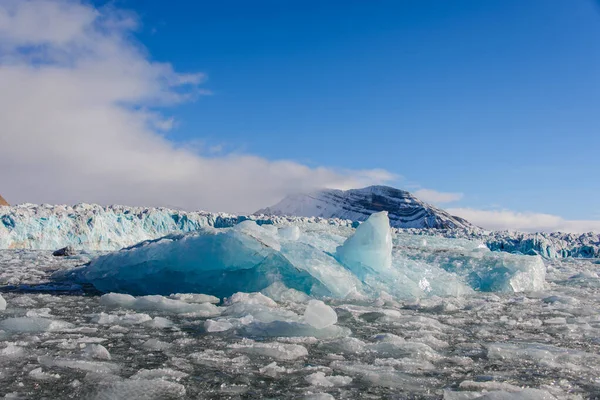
<point x="405" y="210"/>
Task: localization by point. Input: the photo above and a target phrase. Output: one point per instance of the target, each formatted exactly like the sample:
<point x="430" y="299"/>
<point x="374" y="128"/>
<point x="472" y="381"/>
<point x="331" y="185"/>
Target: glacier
<point x="105" y="228"/>
<point x="327" y="261"/>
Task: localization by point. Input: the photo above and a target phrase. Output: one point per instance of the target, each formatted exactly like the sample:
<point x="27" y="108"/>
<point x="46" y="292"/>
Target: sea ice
<point x="33" y="324"/>
<point x="278" y="351"/>
<point x="2" y="303"/>
<point x="96" y="351"/>
<point x="319" y="379"/>
<point x="319" y="314"/>
<point x="138" y="389"/>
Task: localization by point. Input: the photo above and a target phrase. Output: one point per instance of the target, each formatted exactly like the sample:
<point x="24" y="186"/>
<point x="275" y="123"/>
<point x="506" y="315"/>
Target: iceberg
<point x="325" y="262"/>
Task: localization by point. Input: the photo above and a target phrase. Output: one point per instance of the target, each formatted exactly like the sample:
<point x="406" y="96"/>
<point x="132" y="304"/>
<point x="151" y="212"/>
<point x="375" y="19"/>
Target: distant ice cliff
<point x="94" y="227"/>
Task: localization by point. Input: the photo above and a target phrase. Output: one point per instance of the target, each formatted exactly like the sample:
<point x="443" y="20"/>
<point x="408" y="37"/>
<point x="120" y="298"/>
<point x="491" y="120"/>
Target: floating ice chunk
<point x="279" y="292"/>
<point x="319" y="314"/>
<point x="370" y="248"/>
<point x="525" y="394"/>
<point x="160" y="373"/>
<point x="348" y="345"/>
<point x="293" y="329"/>
<point x="140" y="389"/>
<point x="33" y="324"/>
<point x="158" y="303"/>
<point x="290" y="233"/>
<point x="273" y="370"/>
<point x="278" y="351"/>
<point x="489" y="386"/>
<point x="318" y="396"/>
<point x="117" y="300"/>
<point x="544" y="355"/>
<point x="385" y="376"/>
<point x="319" y="379"/>
<point x="156" y="345"/>
<point x="160" y="323"/>
<point x="217" y="326"/>
<point x="11" y="352"/>
<point x="127" y="319"/>
<point x="195" y="298"/>
<point x="250" y="298"/>
<point x="100" y="367"/>
<point x="96" y="351"/>
<point x="41" y="312"/>
<point x="218" y="359"/>
<point x="39" y="375"/>
<point x="2" y="303"/>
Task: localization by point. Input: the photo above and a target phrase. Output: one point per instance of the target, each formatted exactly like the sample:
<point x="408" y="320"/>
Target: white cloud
<point x="526" y="222"/>
<point x="77" y="121"/>
<point x="433" y="196"/>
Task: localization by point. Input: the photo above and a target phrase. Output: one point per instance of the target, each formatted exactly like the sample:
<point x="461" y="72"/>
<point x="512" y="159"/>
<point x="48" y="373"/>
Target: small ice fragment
<point x="12" y="352"/>
<point x="279" y="351"/>
<point x="33" y="324"/>
<point x="96" y="351"/>
<point x="319" y="314"/>
<point x="147" y="389"/>
<point x="39" y="375"/>
<point x="250" y="298"/>
<point x="160" y="323"/>
<point x="319" y="379"/>
<point x="156" y="345"/>
<point x="211" y="325"/>
<point x="2" y="303"/>
<point x="160" y="373"/>
<point x="127" y="319"/>
<point x="99" y="367"/>
<point x="272" y="370"/>
<point x="279" y="292"/>
<point x="195" y="298"/>
<point x="319" y="396"/>
<point x="117" y="300"/>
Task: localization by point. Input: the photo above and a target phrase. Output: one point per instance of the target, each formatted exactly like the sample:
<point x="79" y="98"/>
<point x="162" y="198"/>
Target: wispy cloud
<point x="433" y="196"/>
<point x="78" y="121"/>
<point x="526" y="222"/>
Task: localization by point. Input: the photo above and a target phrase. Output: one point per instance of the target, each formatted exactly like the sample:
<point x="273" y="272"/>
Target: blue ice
<point x="366" y="263"/>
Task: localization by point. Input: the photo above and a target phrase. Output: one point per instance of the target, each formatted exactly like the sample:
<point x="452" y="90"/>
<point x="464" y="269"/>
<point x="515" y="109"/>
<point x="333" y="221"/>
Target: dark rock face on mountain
<point x="3" y="202"/>
<point x="405" y="210"/>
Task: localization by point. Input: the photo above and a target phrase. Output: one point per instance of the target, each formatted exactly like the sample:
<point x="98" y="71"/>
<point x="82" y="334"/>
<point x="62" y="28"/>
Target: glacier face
<point x="93" y="227"/>
<point x="405" y="210"/>
<point x="329" y="261"/>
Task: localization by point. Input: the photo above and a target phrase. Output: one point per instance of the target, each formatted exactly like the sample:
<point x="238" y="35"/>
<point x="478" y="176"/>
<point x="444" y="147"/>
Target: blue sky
<point x="495" y="99"/>
<point x="492" y="104"/>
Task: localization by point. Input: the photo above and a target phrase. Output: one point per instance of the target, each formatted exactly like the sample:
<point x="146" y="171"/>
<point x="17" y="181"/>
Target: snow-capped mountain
<point x="405" y="210"/>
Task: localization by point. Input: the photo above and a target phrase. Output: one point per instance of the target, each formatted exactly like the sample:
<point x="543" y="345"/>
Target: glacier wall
<point x="94" y="227"/>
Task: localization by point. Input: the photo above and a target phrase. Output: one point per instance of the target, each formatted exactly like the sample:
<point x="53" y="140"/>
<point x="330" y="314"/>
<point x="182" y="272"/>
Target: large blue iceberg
<point x="319" y="260"/>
